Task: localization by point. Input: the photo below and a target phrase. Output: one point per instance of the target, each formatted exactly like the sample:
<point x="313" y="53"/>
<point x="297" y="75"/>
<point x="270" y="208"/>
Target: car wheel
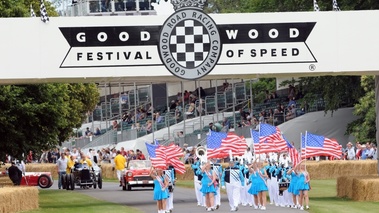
<point x="129" y="187"/>
<point x="44" y="181"/>
<point x="63" y="181"/>
<point x="100" y="181"/>
<point x="67" y="181"/>
<point x="72" y="181"/>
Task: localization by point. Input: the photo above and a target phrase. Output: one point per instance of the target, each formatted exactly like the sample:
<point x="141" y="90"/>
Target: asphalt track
<point x="184" y="199"/>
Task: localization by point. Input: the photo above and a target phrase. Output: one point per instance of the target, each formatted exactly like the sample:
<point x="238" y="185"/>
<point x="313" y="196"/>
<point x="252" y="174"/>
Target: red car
<point x="41" y="179"/>
<point x="137" y="175"/>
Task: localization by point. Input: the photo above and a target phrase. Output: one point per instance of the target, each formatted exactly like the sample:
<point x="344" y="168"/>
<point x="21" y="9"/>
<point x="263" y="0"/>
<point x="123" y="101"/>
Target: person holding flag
<point x="208" y="183"/>
<point x="258" y="186"/>
<point x="161" y="183"/>
<point x="293" y="183"/>
<point x="303" y="186"/>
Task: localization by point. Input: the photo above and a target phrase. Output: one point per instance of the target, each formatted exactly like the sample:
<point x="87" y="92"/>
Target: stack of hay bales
<point x="358" y="188"/>
<point x="16" y="199"/>
<point x="318" y="170"/>
<point x="107" y="171"/>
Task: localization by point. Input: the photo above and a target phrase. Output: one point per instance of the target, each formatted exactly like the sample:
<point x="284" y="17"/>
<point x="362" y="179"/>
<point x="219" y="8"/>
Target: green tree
<point x="364" y="128"/>
<point x="260" y="87"/>
<point x="21" y="8"/>
<point x="37" y="117"/>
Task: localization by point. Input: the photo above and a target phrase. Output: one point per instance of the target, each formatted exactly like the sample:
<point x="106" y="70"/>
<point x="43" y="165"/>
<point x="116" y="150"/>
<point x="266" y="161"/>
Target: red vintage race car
<point x="137" y="175"/>
<point x="41" y="179"/>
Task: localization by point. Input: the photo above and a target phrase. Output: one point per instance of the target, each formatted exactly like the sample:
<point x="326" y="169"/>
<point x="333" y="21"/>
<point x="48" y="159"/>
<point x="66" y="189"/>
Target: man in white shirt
<point x="350" y="152"/>
<point x="61" y="166"/>
<point x="371" y="151"/>
<point x="284" y="160"/>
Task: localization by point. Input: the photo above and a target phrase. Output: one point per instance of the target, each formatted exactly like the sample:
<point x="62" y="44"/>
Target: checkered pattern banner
<point x="32" y="13"/>
<point x="315" y="6"/>
<point x="44" y="15"/>
<point x="335" y="6"/>
<point x="189" y="43"/>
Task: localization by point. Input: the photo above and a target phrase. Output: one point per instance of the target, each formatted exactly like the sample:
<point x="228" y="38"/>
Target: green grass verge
<point x="52" y="201"/>
<point x="323" y="198"/>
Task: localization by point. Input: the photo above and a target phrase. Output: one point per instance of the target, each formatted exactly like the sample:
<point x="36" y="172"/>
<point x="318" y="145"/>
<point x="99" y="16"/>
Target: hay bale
<point x="107" y="171"/>
<point x="16" y="199"/>
<point x="333" y="169"/>
<point x="364" y="188"/>
<point x="345" y="186"/>
<point x="358" y="188"/>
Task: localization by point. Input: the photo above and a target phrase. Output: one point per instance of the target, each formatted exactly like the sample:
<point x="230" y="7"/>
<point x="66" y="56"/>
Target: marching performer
<point x="259" y="187"/>
<point x="232" y="179"/>
<point x="197" y="182"/>
<point x="272" y="182"/>
<point x="303" y="186"/>
<point x="208" y="185"/>
<point x="245" y="187"/>
<point x="170" y="175"/>
<point x="292" y="188"/>
<point x="160" y="188"/>
<point x="217" y="169"/>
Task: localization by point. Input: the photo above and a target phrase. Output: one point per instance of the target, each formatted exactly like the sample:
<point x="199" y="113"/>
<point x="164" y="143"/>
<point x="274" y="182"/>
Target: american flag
<point x="32" y="13"/>
<point x="260" y="148"/>
<point x="317" y="145"/>
<point x="315" y="6"/>
<point x="273" y="136"/>
<point x="44" y="15"/>
<point x="294" y="154"/>
<point x="235" y="143"/>
<point x="214" y="140"/>
<point x="160" y="156"/>
<point x="335" y="6"/>
<point x="219" y="144"/>
<point x="157" y="155"/>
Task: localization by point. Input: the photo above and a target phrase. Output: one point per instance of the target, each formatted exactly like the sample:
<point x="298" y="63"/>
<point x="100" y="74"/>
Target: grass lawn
<point x="323" y="198"/>
<point x="52" y="201"/>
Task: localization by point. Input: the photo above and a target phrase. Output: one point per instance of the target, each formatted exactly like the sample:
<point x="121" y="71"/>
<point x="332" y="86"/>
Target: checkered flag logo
<point x="190" y="43"/>
<point x="315" y="6"/>
<point x="32" y="13"/>
<point x="44" y="15"/>
<point x="335" y="6"/>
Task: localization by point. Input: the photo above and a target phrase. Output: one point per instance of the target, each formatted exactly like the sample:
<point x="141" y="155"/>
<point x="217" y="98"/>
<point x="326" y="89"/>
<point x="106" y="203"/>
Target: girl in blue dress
<point x="303" y="186"/>
<point x="160" y="188"/>
<point x="259" y="187"/>
<point x="208" y="185"/>
<point x="293" y="172"/>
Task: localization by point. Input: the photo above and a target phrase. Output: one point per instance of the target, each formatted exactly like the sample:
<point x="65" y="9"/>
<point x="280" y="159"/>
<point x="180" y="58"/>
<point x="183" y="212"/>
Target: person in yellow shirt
<point x="119" y="162"/>
<point x="87" y="160"/>
<point x="70" y="164"/>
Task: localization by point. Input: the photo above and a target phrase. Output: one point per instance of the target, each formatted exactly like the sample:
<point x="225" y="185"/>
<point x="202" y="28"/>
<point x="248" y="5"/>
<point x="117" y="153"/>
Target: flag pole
<point x="301" y="146"/>
<point x="259" y="143"/>
<point x="305" y="144"/>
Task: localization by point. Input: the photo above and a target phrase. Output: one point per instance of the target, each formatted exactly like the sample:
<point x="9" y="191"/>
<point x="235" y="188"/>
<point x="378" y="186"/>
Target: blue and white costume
<point x="301" y="185"/>
<point x="170" y="175"/>
<point x="159" y="194"/>
<point x="197" y="183"/>
<point x="206" y="187"/>
<point x="217" y="169"/>
<point x="232" y="178"/>
<point x="258" y="183"/>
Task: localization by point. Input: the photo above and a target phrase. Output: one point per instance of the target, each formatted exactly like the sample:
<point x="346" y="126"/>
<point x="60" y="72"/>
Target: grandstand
<point x="215" y="106"/>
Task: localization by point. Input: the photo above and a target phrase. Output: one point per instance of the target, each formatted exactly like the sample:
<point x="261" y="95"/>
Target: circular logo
<point x="189" y="44"/>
